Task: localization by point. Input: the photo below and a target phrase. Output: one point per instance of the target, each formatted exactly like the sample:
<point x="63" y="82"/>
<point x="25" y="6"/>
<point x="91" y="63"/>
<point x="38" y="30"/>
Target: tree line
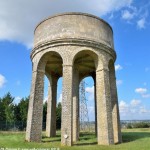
<point x="11" y="112"/>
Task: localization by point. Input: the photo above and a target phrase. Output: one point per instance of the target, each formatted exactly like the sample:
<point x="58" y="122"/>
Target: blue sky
<point x="130" y="20"/>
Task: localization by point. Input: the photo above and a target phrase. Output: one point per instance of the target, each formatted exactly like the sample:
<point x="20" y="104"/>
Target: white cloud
<point x="119" y="82"/>
<point x="136" y="15"/>
<point x="141" y="90"/>
<point x="45" y="99"/>
<point x="146" y="95"/>
<point x="17" y="99"/>
<point x="118" y="67"/>
<point x="19" y="18"/>
<point x="143" y="15"/>
<point x="90" y="89"/>
<point x="90" y="92"/>
<point x="127" y="15"/>
<point x="91" y="110"/>
<point x="141" y="23"/>
<point x="133" y="110"/>
<point x="2" y="81"/>
<point x="60" y="98"/>
<point x="123" y="107"/>
<point x="144" y="110"/>
<point x="135" y="102"/>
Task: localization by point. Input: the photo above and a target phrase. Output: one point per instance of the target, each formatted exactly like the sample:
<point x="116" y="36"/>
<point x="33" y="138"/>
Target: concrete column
<point x="66" y="126"/>
<point x="95" y="108"/>
<point x="104" y="109"/>
<point x="51" y="108"/>
<point x="75" y="105"/>
<point x="35" y="110"/>
<point x="95" y="103"/>
<point x="115" y="108"/>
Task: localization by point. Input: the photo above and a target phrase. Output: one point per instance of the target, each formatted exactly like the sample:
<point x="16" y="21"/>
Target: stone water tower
<point x="73" y="46"/>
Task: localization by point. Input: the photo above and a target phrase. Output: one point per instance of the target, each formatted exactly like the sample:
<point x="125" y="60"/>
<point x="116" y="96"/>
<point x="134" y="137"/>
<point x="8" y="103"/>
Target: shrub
<point x="138" y="125"/>
<point x="129" y="126"/>
<point x="141" y="125"/>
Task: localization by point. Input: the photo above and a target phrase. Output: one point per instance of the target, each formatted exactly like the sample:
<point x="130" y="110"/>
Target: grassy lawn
<point x="133" y="139"/>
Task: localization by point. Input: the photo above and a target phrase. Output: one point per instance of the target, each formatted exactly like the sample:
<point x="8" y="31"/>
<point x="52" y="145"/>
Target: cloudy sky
<point x="130" y="20"/>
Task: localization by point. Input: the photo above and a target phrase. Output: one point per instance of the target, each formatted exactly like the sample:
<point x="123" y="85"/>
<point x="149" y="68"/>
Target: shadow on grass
<point x="133" y="136"/>
<point x="51" y="140"/>
<point x="85" y="144"/>
<point x="57" y="136"/>
<point x="46" y="139"/>
<point x="90" y="138"/>
<point x="86" y="138"/>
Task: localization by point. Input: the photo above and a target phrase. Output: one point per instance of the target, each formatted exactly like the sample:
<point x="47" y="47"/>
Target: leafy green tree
<point x="58" y="116"/>
<point x="10" y="112"/>
<point x="23" y="109"/>
<point x="8" y="107"/>
<point x="44" y="111"/>
<point x="17" y="113"/>
<point x="2" y="111"/>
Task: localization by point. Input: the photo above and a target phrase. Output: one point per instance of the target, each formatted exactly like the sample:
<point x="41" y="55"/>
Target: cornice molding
<point x="72" y="42"/>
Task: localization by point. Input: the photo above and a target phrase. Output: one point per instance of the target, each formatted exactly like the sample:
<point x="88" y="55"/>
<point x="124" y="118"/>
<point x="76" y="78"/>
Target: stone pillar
<point x="35" y="110"/>
<point x="51" y="108"/>
<point x="95" y="108"/>
<point x="104" y="109"/>
<point x="115" y="108"/>
<point x="95" y="103"/>
<point x="66" y="126"/>
<point x="75" y="105"/>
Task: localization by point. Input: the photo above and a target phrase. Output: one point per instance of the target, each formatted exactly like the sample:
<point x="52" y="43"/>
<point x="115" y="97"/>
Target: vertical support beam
<point x="95" y="107"/>
<point x="115" y="107"/>
<point x="35" y="110"/>
<point x="95" y="102"/>
<point x="75" y="105"/>
<point x="66" y="126"/>
<point x="51" y="108"/>
<point x="104" y="109"/>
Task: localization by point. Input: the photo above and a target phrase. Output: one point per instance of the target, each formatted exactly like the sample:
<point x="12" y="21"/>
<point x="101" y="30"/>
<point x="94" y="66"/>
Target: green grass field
<point x="133" y="139"/>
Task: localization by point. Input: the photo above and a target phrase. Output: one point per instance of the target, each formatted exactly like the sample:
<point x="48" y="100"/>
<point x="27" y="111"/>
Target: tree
<point x="8" y="107"/>
<point x="10" y="112"/>
<point x="22" y="110"/>
<point x="2" y="111"/>
<point x="17" y="113"/>
<point x="58" y="116"/>
<point x="44" y="111"/>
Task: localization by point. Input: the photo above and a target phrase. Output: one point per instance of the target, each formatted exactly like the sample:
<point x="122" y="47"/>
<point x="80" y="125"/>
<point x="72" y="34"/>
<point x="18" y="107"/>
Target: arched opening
<point x="84" y="67"/>
<point x="87" y="109"/>
<point x="85" y="61"/>
<point x="58" y="102"/>
<point x="53" y="64"/>
<point x="52" y="88"/>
